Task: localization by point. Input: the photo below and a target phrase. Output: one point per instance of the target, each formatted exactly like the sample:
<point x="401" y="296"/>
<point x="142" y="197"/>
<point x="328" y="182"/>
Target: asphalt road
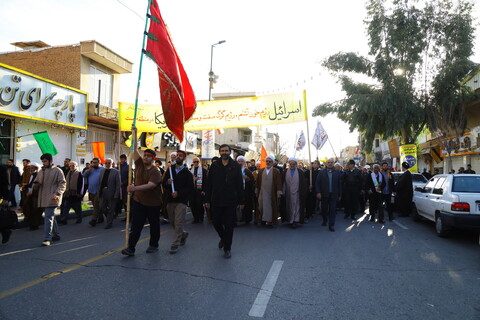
<point x="362" y="271"/>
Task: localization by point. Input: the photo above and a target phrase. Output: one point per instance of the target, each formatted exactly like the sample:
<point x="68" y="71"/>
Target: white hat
<point x="242" y="157"/>
<point x="35" y="164"/>
<point x="337" y="164"/>
<point x="367" y="166"/>
<point x="173" y="154"/>
<point x="292" y="159"/>
<point x="271" y="158"/>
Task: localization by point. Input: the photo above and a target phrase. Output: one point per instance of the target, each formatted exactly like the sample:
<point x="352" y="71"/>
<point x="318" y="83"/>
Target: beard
<point x="179" y="162"/>
<point x="225" y="156"/>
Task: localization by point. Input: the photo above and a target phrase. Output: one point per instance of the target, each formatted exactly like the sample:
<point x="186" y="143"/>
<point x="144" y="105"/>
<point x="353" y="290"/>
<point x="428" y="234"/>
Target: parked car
<point x="451" y="201"/>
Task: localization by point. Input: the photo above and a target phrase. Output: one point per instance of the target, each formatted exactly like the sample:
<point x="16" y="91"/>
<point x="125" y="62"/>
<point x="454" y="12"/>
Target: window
<point x="439" y="185"/>
<point x="377" y="143"/>
<point x="431" y="184"/>
<point x="106" y="86"/>
<point x="466" y="184"/>
<point x="95" y="136"/>
<point x="245" y="136"/>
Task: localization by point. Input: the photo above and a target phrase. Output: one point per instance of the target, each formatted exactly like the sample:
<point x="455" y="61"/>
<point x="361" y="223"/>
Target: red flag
<point x="99" y="150"/>
<point x="263" y="157"/>
<point x="176" y="93"/>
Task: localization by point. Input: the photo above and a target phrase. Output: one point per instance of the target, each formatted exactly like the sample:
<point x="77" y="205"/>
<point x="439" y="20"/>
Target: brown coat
<point x="276" y="189"/>
<point x="49" y="182"/>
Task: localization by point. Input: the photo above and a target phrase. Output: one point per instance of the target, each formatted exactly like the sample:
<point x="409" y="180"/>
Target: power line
<point x="143" y="18"/>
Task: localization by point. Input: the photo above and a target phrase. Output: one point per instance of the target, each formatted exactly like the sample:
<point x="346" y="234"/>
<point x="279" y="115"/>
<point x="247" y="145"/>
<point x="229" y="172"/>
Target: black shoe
<point x="55" y="238"/>
<point x="324" y="223"/>
<point x="331" y="228"/>
<point x="353" y="218"/>
<point x="63" y="222"/>
<point x="151" y="249"/>
<point x="6" y="235"/>
<point x="78" y="221"/>
<point x="391" y="218"/>
<point x="128" y="252"/>
<point x="101" y="220"/>
<point x="227" y="254"/>
<point x="372" y="218"/>
<point x="33" y="228"/>
<point x="381" y="221"/>
<point x="173" y="249"/>
<point x="220" y="244"/>
<point x="346" y="216"/>
<point x="108" y="226"/>
<point x="93" y="223"/>
<point x="184" y="238"/>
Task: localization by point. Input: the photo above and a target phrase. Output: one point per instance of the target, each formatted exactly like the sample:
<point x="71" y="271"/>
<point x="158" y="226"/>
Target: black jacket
<point x="183" y="183"/>
<point x="370" y="185"/>
<point x="225" y="184"/>
<point x="322" y="183"/>
<point x="352" y="179"/>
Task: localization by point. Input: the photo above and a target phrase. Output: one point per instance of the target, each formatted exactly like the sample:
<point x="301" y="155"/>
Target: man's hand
<point x="174" y="194"/>
<point x="170" y="181"/>
<point x="240" y="207"/>
<point x="55" y="197"/>
<point x="131" y="188"/>
<point x="319" y="196"/>
<point x="207" y="205"/>
<point x="339" y="198"/>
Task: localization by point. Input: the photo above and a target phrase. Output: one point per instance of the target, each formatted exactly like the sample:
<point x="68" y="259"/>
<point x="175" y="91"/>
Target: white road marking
<point x="263" y="296"/>
<point x="400" y="225"/>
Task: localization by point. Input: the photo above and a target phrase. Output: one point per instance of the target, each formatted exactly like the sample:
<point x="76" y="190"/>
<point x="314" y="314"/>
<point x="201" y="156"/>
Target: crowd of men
<point x="228" y="192"/>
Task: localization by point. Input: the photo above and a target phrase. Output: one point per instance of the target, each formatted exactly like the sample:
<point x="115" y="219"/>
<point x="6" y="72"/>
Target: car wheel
<point x="415" y="216"/>
<point x="440" y="228"/>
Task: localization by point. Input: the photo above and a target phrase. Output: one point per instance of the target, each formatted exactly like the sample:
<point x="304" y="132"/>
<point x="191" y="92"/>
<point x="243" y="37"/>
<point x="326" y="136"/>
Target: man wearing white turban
<point x="269" y="190"/>
<point x="295" y="191"/>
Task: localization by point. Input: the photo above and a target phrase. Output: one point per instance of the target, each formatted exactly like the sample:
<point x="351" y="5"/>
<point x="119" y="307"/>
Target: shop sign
<point x="28" y="96"/>
<point x="466" y="144"/>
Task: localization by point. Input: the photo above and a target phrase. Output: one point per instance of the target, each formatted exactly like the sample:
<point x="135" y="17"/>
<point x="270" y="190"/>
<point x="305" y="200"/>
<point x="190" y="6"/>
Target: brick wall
<point x="60" y="64"/>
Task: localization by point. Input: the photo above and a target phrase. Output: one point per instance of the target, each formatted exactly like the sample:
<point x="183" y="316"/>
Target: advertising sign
<point x="408" y="153"/>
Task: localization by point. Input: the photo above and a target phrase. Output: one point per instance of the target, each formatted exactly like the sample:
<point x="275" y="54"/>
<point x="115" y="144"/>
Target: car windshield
<point x="419" y="178"/>
<point x="466" y="184"/>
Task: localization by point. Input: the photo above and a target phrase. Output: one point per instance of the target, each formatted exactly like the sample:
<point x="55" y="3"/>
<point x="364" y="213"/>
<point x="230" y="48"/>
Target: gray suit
<point x="110" y="193"/>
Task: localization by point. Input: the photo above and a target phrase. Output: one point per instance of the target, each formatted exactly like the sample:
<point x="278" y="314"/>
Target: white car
<point x="451" y="201"/>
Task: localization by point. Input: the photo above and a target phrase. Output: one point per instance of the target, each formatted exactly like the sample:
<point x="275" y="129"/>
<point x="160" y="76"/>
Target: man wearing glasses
<point x="198" y="198"/>
<point x="146" y="200"/>
<point x="329" y="190"/>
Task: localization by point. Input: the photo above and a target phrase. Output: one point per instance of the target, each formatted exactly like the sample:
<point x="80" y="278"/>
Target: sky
<point x="271" y="45"/>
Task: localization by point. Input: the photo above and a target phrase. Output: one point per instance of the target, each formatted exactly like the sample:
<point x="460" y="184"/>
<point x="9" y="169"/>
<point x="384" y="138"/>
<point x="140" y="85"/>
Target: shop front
<point x="30" y="104"/>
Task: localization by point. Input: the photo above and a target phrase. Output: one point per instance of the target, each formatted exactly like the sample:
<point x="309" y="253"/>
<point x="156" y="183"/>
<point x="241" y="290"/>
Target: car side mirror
<point x="438" y="191"/>
<point x="419" y="189"/>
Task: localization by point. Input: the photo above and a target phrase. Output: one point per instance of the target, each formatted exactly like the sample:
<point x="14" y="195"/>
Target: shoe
<point x="372" y="218"/>
<point x="305" y="221"/>
<point x="184" y="238"/>
<point x="353" y="218"/>
<point x="78" y="221"/>
<point x="93" y="223"/>
<point x="331" y="228"/>
<point x="220" y="244"/>
<point x="346" y="216"/>
<point x="46" y="243"/>
<point x="63" y="222"/>
<point x="101" y="220"/>
<point x="151" y="249"/>
<point x="227" y="254"/>
<point x="194" y="222"/>
<point x="381" y="221"/>
<point x="293" y="226"/>
<point x="324" y="223"/>
<point x="55" y="238"/>
<point x="391" y="218"/>
<point x="33" y="228"/>
<point x="6" y="235"/>
<point x="173" y="249"/>
<point x="128" y="252"/>
<point x="108" y="226"/>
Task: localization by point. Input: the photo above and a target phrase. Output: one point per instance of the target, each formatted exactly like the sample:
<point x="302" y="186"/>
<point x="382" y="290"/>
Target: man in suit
<point x="73" y="194"/>
<point x="109" y="191"/>
<point x="328" y="188"/>
<point x="353" y="183"/>
<point x="14" y="178"/>
<point x="375" y="185"/>
<point x="404" y="191"/>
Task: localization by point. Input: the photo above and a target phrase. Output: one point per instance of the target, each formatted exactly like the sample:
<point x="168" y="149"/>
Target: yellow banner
<point x="234" y="113"/>
<point x="408" y="153"/>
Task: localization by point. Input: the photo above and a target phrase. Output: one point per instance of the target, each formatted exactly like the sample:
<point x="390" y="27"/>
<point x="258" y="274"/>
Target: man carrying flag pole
<point x="178" y="99"/>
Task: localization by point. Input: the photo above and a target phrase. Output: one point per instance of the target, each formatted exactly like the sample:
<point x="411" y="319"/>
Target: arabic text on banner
<point x="234" y="113"/>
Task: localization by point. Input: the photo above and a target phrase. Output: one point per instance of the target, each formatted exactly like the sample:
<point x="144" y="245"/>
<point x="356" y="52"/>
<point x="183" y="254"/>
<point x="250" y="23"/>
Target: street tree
<point x="416" y="52"/>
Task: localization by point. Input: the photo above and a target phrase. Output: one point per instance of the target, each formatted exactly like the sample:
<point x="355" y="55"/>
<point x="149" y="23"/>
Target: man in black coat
<point x="6" y="232"/>
<point x="353" y="183"/>
<point x="311" y="194"/>
<point x="328" y="188"/>
<point x="13" y="179"/>
<point x="387" y="191"/>
<point x="225" y="195"/>
<point x="404" y="191"/>
<point x="375" y="184"/>
<point x="178" y="185"/>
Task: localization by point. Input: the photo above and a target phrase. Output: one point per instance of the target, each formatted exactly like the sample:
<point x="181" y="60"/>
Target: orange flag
<point x="99" y="150"/>
<point x="263" y="157"/>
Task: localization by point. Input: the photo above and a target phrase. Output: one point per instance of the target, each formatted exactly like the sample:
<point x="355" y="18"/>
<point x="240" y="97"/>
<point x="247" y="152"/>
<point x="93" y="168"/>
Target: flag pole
<point x="130" y="172"/>
<point x="308" y="137"/>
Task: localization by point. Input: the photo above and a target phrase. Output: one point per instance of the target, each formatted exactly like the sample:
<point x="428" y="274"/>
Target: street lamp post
<point x="211" y="76"/>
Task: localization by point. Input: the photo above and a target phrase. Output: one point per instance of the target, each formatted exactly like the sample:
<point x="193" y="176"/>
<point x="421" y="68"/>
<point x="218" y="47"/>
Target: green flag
<point x="45" y="143"/>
